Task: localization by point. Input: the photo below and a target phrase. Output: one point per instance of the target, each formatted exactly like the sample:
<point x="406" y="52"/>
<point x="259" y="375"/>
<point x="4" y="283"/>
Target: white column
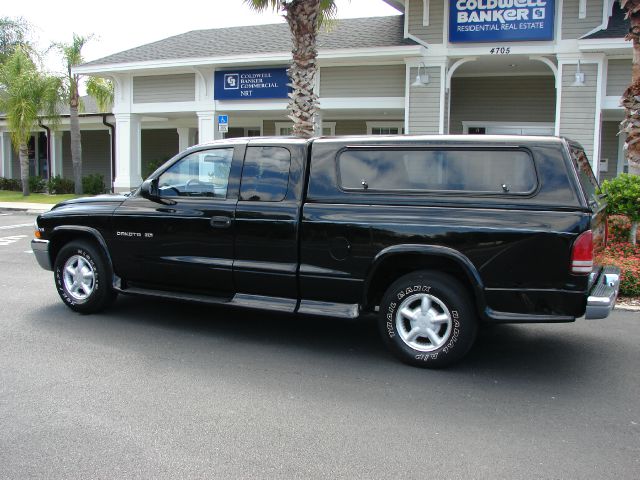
<point x="318" y="125"/>
<point x="56" y="153"/>
<point x="5" y="155"/>
<point x="128" y="154"/>
<point x="193" y="135"/>
<point x="183" y="139"/>
<point x="206" y="126"/>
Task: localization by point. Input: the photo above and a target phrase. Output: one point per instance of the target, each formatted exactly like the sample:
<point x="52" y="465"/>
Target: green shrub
<point x="58" y="185"/>
<point x="623" y="198"/>
<point x="93" y="184"/>
<point x="152" y="165"/>
<point x="36" y="184"/>
<point x="10" y="184"/>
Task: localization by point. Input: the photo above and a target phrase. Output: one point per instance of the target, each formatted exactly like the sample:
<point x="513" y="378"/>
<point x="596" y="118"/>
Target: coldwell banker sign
<point x="251" y="84"/>
<point x="500" y="20"/>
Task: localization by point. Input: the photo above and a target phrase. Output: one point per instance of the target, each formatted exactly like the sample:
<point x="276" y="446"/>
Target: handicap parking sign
<point x="232" y="81"/>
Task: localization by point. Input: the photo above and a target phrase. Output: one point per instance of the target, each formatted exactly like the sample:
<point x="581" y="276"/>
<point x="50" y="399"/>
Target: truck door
<point x="183" y="239"/>
<point x="267" y="214"/>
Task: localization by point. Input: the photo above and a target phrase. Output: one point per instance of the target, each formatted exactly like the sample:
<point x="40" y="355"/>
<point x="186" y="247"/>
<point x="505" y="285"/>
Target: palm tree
<point x="101" y="90"/>
<point x="72" y="55"/>
<point x="304" y="18"/>
<point x="26" y="96"/>
<point x="631" y="123"/>
<point x="13" y="33"/>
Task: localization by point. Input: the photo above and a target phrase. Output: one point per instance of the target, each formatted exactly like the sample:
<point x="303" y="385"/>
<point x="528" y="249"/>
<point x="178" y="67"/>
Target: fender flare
<point x="91" y="231"/>
<point x="434" y="251"/>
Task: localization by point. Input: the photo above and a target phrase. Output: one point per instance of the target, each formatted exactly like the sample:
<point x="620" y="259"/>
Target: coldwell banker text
<point x="501" y="11"/>
<point x="251" y="84"/>
<point x="506" y="20"/>
<point x="249" y="81"/>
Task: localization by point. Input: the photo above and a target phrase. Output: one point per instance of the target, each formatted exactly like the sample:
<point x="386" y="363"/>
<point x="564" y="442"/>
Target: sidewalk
<point x="28" y="208"/>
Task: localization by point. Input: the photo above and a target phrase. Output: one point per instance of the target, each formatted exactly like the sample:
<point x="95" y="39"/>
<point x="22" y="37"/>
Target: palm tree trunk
<point x="631" y="97"/>
<point x="23" y="153"/>
<point x="76" y="145"/>
<point x="303" y="17"/>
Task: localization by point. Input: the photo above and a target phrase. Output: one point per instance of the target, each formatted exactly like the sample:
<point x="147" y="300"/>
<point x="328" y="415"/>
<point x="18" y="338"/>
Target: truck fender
<point x="433" y="251"/>
<point x="97" y="236"/>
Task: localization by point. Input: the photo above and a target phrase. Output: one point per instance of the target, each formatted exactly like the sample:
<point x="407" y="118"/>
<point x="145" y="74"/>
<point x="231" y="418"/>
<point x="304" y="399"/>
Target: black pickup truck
<point x="437" y="234"/>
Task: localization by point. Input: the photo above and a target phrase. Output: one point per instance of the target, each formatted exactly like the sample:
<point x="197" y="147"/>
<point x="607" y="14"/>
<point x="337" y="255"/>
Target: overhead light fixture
<point x="579" y="77"/>
<point x="421" y="80"/>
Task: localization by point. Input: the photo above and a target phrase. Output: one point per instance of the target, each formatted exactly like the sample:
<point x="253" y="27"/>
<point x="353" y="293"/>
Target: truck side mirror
<point x="149" y="188"/>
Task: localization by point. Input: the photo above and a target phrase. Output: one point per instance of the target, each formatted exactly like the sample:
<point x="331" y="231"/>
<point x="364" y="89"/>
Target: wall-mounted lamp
<point x="579" y="77"/>
<point x="421" y="80"/>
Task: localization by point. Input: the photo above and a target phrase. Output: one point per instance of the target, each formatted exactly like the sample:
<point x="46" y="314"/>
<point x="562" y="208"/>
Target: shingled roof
<point x="616" y="28"/>
<point x="373" y="32"/>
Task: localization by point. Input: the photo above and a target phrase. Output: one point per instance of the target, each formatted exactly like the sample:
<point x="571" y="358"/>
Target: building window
<point x="328" y="129"/>
<point x="385" y="128"/>
<point x="284" y="129"/>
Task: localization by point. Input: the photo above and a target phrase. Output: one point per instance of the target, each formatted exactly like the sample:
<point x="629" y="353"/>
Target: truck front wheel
<point x="83" y="277"/>
<point x="427" y="319"/>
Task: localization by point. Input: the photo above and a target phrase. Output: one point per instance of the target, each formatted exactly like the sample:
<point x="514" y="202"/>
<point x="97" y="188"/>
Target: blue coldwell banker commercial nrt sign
<point x="500" y="20"/>
<point x="251" y="84"/>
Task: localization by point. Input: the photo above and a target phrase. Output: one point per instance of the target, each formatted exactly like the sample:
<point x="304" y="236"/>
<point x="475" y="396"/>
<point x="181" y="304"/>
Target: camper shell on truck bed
<point x="437" y="234"/>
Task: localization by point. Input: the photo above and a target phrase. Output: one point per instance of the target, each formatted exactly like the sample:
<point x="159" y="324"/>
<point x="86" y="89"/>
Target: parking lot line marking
<point x="4" y="241"/>
<point x="21" y="225"/>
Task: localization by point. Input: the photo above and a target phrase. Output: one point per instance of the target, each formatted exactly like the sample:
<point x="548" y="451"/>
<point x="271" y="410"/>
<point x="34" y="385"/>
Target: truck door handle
<point x="220" y="222"/>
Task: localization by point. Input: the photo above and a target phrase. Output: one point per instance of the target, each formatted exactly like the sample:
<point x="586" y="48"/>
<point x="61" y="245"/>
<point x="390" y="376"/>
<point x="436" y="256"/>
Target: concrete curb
<point x="628" y="308"/>
<point x="28" y="208"/>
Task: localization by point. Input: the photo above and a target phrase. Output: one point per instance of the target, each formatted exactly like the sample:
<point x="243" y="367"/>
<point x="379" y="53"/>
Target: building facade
<point x="550" y="67"/>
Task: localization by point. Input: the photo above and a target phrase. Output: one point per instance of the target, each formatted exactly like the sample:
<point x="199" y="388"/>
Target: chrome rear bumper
<point x="603" y="294"/>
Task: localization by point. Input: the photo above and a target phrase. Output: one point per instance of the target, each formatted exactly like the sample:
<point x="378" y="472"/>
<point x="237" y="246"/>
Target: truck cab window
<point x="265" y="176"/>
<point x="200" y="174"/>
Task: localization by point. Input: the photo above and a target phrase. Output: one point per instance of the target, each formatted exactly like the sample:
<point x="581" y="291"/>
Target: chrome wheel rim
<point x="79" y="277"/>
<point x="423" y="322"/>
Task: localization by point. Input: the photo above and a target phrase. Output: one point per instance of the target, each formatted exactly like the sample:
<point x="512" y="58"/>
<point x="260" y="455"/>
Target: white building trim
<point x="582" y="9"/>
<point x="549" y="63"/>
<point x="187" y="64"/>
<point x="5" y="152"/>
<point x="454" y="67"/>
<point x="607" y="9"/>
<point x="559" y="100"/>
<point x="407" y="97"/>
<point x="425" y="13"/>
<point x="363" y="103"/>
<point x="443" y="97"/>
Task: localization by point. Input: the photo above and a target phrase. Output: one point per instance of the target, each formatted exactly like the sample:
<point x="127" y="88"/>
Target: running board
<point x="259" y="302"/>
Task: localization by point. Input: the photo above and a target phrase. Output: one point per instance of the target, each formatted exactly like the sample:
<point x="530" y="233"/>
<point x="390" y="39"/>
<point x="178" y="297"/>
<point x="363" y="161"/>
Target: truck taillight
<point x="582" y="254"/>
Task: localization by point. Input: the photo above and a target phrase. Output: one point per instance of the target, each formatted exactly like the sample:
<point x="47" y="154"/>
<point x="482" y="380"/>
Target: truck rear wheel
<point x="427" y="319"/>
<point x="83" y="277"/>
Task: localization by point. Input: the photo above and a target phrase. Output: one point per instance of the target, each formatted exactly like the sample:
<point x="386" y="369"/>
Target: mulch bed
<point x="628" y="301"/>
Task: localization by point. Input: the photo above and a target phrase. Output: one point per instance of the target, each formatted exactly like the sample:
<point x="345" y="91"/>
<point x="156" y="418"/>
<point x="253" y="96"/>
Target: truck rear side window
<point x="455" y="170"/>
<point x="587" y="179"/>
<point x="265" y="176"/>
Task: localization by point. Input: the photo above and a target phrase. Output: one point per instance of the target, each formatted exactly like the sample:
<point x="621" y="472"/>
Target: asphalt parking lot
<point x="155" y="389"/>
